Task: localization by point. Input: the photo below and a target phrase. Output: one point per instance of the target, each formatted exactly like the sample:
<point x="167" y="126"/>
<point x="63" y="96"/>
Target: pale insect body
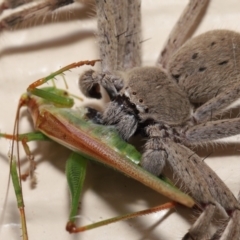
<point x="165" y="229"/>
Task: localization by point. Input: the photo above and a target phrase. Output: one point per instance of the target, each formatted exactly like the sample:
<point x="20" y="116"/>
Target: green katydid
<point x="71" y="128"/>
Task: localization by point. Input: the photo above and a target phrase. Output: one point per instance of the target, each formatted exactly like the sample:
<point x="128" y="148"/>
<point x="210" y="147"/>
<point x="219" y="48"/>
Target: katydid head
<point x="51" y="95"/>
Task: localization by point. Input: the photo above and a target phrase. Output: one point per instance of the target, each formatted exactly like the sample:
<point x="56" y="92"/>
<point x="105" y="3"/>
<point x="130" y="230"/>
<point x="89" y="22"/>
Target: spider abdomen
<point x="207" y="65"/>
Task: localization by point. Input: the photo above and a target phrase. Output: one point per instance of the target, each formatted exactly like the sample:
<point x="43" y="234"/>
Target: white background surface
<point x="34" y="52"/>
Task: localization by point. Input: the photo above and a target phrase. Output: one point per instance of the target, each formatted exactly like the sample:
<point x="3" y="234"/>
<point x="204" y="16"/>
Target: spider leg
<point x="31" y="11"/>
<point x="230" y="229"/>
<point x="210" y="131"/>
<point x="90" y="82"/>
<point x="218" y="190"/>
<point x="181" y="30"/>
<point x="9" y="4"/>
<point x="202" y="182"/>
<point x="183" y="169"/>
<point x="119" y="34"/>
<point x="126" y="124"/>
<point x="218" y="104"/>
<point x="199" y="229"/>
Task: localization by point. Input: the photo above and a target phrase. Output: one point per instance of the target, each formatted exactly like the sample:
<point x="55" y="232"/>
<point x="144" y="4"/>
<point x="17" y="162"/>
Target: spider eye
<point x="140" y="100"/>
<point x="134" y="93"/>
<point x="65" y="93"/>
